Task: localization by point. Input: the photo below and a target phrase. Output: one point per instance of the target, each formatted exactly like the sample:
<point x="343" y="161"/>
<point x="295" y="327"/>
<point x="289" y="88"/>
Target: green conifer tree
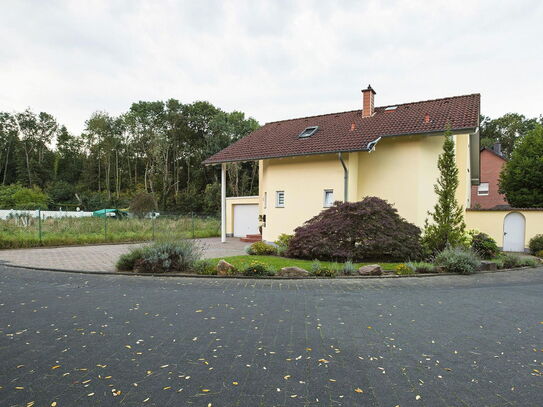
<point x="447" y="225"/>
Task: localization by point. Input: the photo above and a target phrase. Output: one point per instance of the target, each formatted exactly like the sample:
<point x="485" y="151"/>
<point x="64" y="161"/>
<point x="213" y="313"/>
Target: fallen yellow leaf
<point x="359" y="390"/>
<point x="205" y="390"/>
<point x="235" y="383"/>
<point x="55" y="367"/>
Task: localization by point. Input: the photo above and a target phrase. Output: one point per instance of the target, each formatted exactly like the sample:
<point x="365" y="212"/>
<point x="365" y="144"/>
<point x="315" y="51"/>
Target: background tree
<point x="506" y="130"/>
<point x="142" y="204"/>
<point x="447" y="225"/>
<point x="521" y="179"/>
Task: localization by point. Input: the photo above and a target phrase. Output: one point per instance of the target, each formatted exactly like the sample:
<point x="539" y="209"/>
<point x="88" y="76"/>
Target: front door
<point x="514" y="226"/>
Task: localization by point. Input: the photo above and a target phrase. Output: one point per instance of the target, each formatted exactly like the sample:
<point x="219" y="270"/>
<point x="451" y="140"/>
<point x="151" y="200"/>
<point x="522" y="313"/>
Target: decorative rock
<point x="488" y="266"/>
<point x="441" y="269"/>
<point x="224" y="268"/>
<point x="370" y="270"/>
<point x="293" y="272"/>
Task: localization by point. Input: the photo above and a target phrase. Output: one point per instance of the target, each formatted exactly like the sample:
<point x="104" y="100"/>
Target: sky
<point x="272" y="60"/>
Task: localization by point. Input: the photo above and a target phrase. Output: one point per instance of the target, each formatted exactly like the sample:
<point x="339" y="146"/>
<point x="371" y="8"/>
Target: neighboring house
<point x="391" y="152"/>
<point x="486" y="195"/>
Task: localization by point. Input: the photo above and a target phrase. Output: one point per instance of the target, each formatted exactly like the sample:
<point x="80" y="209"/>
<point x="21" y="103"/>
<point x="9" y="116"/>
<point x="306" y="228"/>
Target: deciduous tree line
<point x="156" y="147"/>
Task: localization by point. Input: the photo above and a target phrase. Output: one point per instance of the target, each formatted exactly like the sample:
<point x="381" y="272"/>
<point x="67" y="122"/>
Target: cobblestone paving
<point x="100" y="257"/>
<point x="92" y="340"/>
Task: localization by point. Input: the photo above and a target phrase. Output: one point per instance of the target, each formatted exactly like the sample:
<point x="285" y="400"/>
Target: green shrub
<point x="315" y="267"/>
<point x="317" y="270"/>
<point x="283" y="240"/>
<point x="536" y="244"/>
<point x="458" y="260"/>
<point x="531" y="262"/>
<point x="422" y="267"/>
<point x="511" y="260"/>
<point x="514" y="260"/>
<point x="261" y="249"/>
<point x="540" y="254"/>
<point x="142" y="204"/>
<point x="127" y="260"/>
<point x="403" y="270"/>
<point x="257" y="269"/>
<point x="348" y="268"/>
<point x="499" y="262"/>
<point x="282" y="243"/>
<point x="325" y="272"/>
<point x="484" y="246"/>
<point x="163" y="257"/>
<point x="204" y="267"/>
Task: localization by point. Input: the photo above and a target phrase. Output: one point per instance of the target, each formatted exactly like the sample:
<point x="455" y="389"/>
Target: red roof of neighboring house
<point x="336" y="133"/>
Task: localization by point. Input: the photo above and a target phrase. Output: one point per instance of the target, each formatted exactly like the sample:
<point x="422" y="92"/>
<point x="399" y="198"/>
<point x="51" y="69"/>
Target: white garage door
<point x="245" y="220"/>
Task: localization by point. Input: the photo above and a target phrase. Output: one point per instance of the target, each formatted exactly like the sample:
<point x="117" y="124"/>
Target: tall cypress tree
<point x="447" y="226"/>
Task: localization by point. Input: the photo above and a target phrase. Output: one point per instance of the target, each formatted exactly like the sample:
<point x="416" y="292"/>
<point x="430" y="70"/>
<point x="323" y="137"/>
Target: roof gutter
<point x="345" y="177"/>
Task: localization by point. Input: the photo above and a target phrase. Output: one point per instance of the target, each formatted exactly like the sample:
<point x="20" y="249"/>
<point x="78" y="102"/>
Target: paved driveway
<point x="101" y="257"/>
<point x="106" y="340"/>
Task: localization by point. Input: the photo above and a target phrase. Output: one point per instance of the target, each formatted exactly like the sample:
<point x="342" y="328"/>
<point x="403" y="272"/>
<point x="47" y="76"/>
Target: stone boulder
<point x="370" y="270"/>
<point x="224" y="268"/>
<point x="293" y="272"/>
<point x="488" y="266"/>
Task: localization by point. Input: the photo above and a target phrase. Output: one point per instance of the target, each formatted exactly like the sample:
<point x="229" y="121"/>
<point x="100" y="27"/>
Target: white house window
<point x="328" y="198"/>
<point x="280" y="199"/>
<point x="482" y="189"/>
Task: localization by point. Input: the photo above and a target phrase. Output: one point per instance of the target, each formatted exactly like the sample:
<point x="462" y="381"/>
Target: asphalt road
<point x="98" y="340"/>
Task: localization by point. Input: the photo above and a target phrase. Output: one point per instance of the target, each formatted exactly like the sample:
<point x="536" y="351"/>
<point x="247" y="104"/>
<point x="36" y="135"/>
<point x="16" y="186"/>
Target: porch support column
<point x="223" y="202"/>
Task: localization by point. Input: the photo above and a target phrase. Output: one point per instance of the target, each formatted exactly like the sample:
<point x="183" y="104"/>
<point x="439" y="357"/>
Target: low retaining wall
<point x="490" y="221"/>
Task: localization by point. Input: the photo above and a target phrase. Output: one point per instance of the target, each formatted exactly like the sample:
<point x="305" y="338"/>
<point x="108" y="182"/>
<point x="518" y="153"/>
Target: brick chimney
<point x="367" y="101"/>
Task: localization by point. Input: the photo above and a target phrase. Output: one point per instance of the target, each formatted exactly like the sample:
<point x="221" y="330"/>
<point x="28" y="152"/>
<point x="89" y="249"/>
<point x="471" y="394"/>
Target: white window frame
<point x="483" y="192"/>
<point x="278" y="204"/>
<point x="324" y="203"/>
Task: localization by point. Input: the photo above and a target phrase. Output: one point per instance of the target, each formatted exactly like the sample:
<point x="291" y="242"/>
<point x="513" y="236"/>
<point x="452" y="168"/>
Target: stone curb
<point x="123" y="273"/>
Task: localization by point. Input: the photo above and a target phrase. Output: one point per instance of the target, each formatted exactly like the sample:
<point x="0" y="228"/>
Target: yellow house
<point x="391" y="152"/>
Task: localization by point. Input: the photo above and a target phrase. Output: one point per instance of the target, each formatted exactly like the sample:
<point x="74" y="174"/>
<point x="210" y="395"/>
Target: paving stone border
<point x="242" y="277"/>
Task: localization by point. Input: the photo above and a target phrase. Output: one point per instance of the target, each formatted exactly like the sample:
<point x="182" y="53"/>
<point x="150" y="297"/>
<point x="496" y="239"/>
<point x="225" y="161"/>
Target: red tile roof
<point x="280" y="139"/>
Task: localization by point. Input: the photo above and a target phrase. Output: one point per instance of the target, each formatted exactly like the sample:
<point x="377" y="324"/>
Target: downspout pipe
<point x="345" y="177"/>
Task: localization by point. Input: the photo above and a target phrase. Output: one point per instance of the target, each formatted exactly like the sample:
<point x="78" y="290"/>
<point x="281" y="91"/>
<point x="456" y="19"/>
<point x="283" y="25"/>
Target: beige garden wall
<point x="491" y="223"/>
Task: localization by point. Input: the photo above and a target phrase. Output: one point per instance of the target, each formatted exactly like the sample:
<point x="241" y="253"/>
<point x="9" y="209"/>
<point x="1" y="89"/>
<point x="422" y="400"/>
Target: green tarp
<point x="114" y="213"/>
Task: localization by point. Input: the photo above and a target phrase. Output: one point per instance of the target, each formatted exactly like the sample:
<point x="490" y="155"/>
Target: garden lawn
<point x="277" y="262"/>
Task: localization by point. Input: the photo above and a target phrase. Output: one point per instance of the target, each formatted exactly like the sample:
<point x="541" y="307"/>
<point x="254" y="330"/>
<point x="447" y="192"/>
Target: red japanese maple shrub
<point x="367" y="230"/>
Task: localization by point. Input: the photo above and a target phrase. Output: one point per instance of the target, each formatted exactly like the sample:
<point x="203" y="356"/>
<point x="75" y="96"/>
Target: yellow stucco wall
<point x="237" y="200"/>
<point x="491" y="223"/>
<point x="303" y="179"/>
<point x="402" y="170"/>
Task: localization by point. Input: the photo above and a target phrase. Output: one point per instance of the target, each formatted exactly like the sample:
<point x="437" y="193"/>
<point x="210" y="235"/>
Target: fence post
<point x="153" y="223"/>
<point x="105" y="226"/>
<point x="193" y="234"/>
<point x="39" y="225"/>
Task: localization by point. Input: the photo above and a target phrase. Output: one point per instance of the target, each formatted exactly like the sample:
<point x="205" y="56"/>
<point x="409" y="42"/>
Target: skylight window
<point x="308" y="132"/>
<point x="387" y="109"/>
